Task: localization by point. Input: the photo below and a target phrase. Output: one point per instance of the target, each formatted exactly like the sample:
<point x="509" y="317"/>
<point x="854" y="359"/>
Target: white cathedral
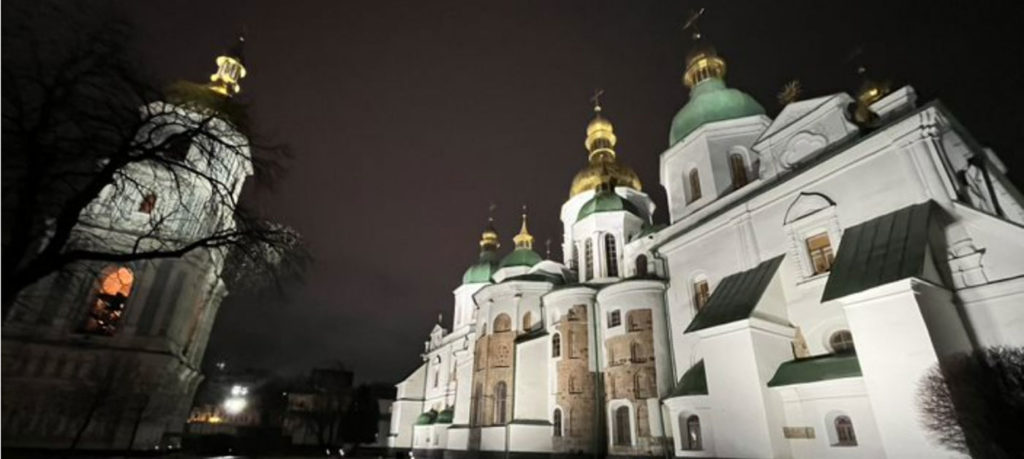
<point x="814" y="268"/>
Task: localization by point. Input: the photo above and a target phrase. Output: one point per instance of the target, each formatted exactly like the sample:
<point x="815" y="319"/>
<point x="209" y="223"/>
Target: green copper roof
<point x="606" y="201"/>
<point x="711" y="101"/>
<point x="483" y="269"/>
<point x="879" y="251"/>
<point x="693" y="382"/>
<point x="426" y="418"/>
<point x="820" y="368"/>
<point x="521" y="257"/>
<point x="445" y="416"/>
<point x="735" y="297"/>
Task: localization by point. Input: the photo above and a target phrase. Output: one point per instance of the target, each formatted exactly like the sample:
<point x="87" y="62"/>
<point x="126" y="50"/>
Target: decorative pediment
<point x="805" y="205"/>
<point x="801" y="146"/>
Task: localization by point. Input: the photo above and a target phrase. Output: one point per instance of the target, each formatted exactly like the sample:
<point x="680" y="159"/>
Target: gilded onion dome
<point x="523" y="255"/>
<point x="600" y="144"/>
<point x="487" y="264"/>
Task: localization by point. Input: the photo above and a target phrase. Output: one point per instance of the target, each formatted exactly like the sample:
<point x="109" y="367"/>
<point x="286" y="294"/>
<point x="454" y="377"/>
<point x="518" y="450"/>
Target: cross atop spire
<point x="596" y="99"/>
<point x="691" y="23"/>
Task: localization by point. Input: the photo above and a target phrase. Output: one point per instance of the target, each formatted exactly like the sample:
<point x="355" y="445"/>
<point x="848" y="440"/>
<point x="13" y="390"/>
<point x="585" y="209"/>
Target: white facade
<point x="743" y="328"/>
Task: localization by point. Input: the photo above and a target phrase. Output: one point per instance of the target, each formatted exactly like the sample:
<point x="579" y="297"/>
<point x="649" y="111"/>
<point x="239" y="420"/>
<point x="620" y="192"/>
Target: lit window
<point x="148" y="203"/>
<point x="845" y="435"/>
<point x="820" y="250"/>
<point x="611" y="259"/>
<point x="841" y="341"/>
<point x="701" y="293"/>
<point x="556" y="345"/>
<point x="614" y="318"/>
<point x="622" y="427"/>
<point x="738" y="167"/>
<point x="556" y="420"/>
<point x="109" y="302"/>
<point x="694" y="186"/>
<point x="691" y="434"/>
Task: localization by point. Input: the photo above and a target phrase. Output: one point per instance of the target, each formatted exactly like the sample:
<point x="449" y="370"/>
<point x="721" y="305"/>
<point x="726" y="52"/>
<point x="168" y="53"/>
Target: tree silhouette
<point x="86" y="131"/>
<point x="974" y="403"/>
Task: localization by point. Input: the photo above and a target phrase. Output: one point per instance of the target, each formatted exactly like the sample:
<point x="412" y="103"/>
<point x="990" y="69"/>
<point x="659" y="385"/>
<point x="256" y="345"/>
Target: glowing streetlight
<point x="236" y="402"/>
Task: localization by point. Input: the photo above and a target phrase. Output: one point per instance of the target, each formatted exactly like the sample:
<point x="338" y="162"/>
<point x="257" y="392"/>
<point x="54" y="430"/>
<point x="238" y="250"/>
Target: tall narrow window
<point x="148" y="203"/>
<point x="738" y="167"/>
<point x="437" y="377"/>
<point x="556" y="421"/>
<point x="636" y="354"/>
<point x="574" y="262"/>
<point x="841" y="341"/>
<point x="614" y="318"/>
<point x="478" y="405"/>
<point x="500" y="403"/>
<point x="556" y="345"/>
<point x="701" y="293"/>
<point x="693" y="438"/>
<point x="622" y="427"/>
<point x="588" y="260"/>
<point x="641" y="266"/>
<point x="527" y="321"/>
<point x="820" y="250"/>
<point x="639" y="385"/>
<point x="844" y="432"/>
<point x="694" y="179"/>
<point x="115" y="284"/>
<point x="611" y="257"/>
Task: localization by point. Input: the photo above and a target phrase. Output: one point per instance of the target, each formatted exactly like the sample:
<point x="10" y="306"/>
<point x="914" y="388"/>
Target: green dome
<point x="445" y="416"/>
<point x="483" y="269"/>
<point x="521" y="257"/>
<point x="426" y="418"/>
<point x="606" y="201"/>
<point x="711" y="101"/>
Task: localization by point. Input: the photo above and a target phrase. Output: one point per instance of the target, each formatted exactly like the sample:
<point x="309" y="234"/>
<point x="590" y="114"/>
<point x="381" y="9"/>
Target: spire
<point x="230" y="70"/>
<point x="523" y="240"/>
<point x="601" y="139"/>
<point x="489" y="238"/>
<point x="702" y="62"/>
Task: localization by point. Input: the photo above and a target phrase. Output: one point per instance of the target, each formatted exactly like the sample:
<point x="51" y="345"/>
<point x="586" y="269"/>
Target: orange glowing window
<point x="107" y="308"/>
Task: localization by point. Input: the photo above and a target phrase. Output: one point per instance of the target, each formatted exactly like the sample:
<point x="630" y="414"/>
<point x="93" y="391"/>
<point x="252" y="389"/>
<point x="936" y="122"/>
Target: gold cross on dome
<point x="691" y="22"/>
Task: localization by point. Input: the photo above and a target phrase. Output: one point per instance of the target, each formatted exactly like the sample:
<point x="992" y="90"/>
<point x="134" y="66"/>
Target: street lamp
<point x="236" y="402"/>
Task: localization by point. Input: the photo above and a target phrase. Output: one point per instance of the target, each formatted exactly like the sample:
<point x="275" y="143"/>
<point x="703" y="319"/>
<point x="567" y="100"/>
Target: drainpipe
<point x="668" y="452"/>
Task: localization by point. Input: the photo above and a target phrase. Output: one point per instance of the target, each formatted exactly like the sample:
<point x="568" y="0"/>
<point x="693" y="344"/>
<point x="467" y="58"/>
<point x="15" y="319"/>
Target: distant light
<point x="235" y="405"/>
<point x="341" y="452"/>
<point x="214" y="420"/>
<point x="328" y="451"/>
<point x="239" y="391"/>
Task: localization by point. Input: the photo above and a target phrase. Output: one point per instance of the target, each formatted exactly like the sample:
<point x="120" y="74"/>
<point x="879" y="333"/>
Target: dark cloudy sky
<point x="407" y="118"/>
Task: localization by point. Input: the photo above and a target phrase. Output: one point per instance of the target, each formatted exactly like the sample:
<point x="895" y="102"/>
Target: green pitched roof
<point x="426" y="418"/>
<point x="879" y="251"/>
<point x="693" y="382"/>
<point x="711" y="101"/>
<point x="521" y="257"/>
<point x="735" y="297"/>
<point x="445" y="416"/>
<point x="606" y="201"/>
<point x="482" y="270"/>
<point x="820" y="368"/>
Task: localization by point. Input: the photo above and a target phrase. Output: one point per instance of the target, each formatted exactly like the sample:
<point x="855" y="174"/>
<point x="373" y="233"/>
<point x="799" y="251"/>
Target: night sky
<point x="407" y="118"/>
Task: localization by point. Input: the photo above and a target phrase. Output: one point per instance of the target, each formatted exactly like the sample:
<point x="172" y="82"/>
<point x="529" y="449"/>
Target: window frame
<point x="693" y="186"/>
<point x="611" y="257"/>
<point x="614" y="318"/>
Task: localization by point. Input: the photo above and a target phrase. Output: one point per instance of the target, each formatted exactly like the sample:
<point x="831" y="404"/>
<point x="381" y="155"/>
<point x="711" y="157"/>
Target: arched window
<point x="622" y="431"/>
<point x="610" y="255"/>
<point x="844" y="431"/>
<point x="588" y="259"/>
<point x="556" y="420"/>
<point x="636" y="354"/>
<point x="500" y="403"/>
<point x="527" y="321"/>
<point x="115" y="285"/>
<point x="691" y="434"/>
<point x="694" y="179"/>
<point x="641" y="266"/>
<point x="556" y="345"/>
<point x="738" y="167"/>
<point x="502" y="323"/>
<point x="841" y="341"/>
<point x="701" y="293"/>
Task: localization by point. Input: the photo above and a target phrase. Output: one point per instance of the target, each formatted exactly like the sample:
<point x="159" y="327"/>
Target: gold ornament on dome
<point x="600" y="144"/>
<point x="702" y="62"/>
<point x="523" y="240"/>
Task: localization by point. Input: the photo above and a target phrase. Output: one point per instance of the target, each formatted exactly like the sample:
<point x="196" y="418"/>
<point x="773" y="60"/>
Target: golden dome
<point x="702" y="62"/>
<point x="602" y="165"/>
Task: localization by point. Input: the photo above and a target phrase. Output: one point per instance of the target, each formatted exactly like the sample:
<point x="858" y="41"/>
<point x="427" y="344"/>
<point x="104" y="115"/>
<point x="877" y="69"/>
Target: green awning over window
<point x="820" y="368"/>
<point x="735" y="297"/>
<point x="693" y="382"/>
<point x="881" y="250"/>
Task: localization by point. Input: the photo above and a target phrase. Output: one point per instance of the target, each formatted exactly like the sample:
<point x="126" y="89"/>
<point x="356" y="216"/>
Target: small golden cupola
<point x="523" y="240"/>
<point x="602" y="163"/>
<point x="230" y="70"/>
<point x="489" y="238"/>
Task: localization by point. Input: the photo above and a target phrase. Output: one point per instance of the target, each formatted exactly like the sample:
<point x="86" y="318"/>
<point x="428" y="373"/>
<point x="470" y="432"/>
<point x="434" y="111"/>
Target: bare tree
<point x="974" y="403"/>
<point x="90" y="141"/>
